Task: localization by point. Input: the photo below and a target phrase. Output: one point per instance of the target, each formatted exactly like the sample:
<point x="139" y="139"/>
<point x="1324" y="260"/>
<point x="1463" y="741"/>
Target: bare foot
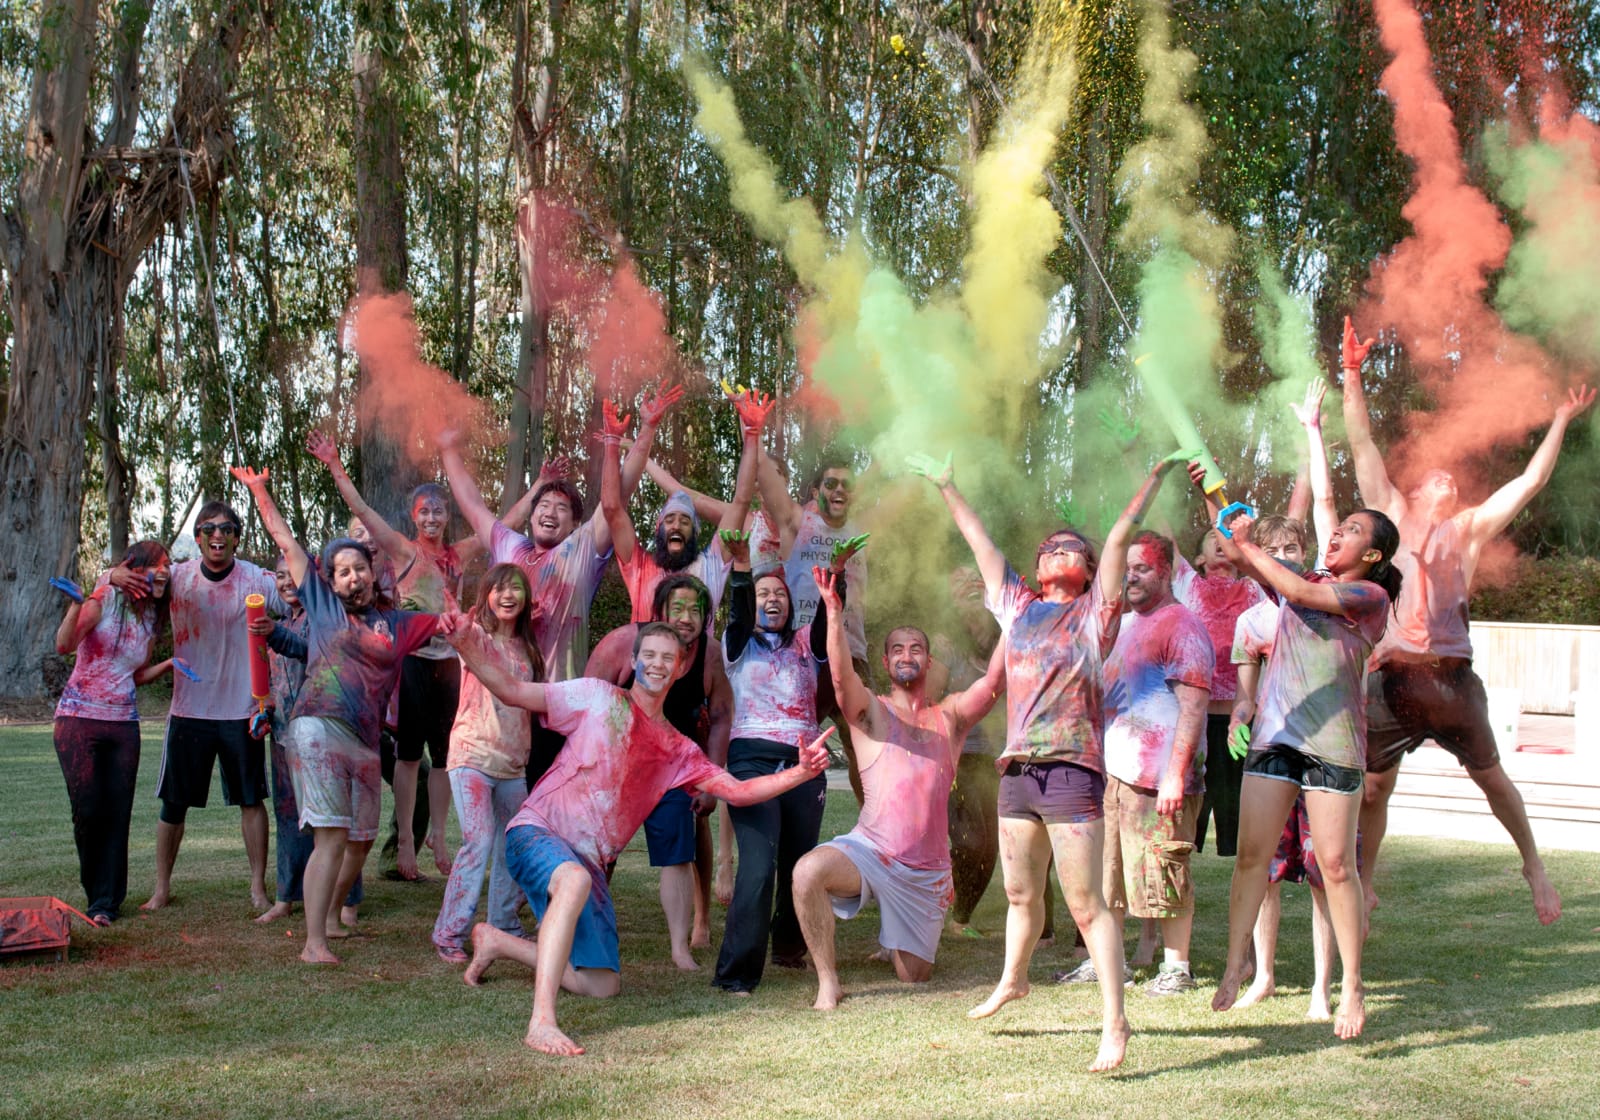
<point x="881" y="956"/>
<point x="335" y="931"/>
<point x="546" y="1039"/>
<point x="1352" y="1011"/>
<point x="685" y="961"/>
<point x="1143" y="957"/>
<point x="259" y="899"/>
<point x="156" y="901"/>
<point x="1003" y="994"/>
<point x="280" y="909"/>
<point x="1318" y="1011"/>
<point x="1113" y="1047"/>
<point x="1546" y="902"/>
<point x="722" y="884"/>
<point x="485" y="951"/>
<point x="1263" y="988"/>
<point x="1371" y="897"/>
<point x="318" y="955"/>
<point x="441" y="856"/>
<point x="828" y="995"/>
<point x="1227" y="992"/>
<point x="700" y="937"/>
<point x="348" y="916"/>
<point x="405" y="862"/>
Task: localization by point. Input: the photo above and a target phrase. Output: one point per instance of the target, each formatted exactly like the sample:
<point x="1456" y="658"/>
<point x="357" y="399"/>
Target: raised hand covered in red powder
<point x="322" y="448"/>
<point x="613" y="425"/>
<point x="754" y="408"/>
<point x="1353" y="352"/>
<point x="557" y="468"/>
<point x="827" y="588"/>
<point x="656" y="406"/>
<point x="250" y="476"/>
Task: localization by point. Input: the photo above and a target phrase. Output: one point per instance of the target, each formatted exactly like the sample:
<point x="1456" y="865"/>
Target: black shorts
<point x="1283" y="763"/>
<point x="1052" y="793"/>
<point x="1408" y="703"/>
<point x="429" y="692"/>
<point x="191" y="748"/>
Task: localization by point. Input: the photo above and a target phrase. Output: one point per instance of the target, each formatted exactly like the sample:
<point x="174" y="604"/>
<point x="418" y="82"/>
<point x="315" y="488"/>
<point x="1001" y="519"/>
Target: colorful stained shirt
<point x="642" y="575"/>
<point x="422" y="587"/>
<point x="1431" y="616"/>
<point x="1154" y="651"/>
<point x="101" y="685"/>
<point x="564" y="580"/>
<point x="1254" y="632"/>
<point x="1054" y="654"/>
<point x="1312" y="695"/>
<point x="813" y="547"/>
<point x="966" y="670"/>
<point x="774" y="685"/>
<point x="353" y="661"/>
<point x="208" y="631"/>
<point x="286" y="671"/>
<point x="490" y="736"/>
<point x="906" y="790"/>
<point x="1218" y="601"/>
<point x="616" y="765"/>
<point x="766" y="544"/>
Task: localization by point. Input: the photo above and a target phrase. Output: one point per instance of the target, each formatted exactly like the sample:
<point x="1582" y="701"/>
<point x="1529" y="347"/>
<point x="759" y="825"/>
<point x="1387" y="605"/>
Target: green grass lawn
<point x="1473" y="1009"/>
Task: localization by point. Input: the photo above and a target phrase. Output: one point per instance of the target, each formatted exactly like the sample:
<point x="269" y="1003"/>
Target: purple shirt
<point x="1154" y="651"/>
<point x="1054" y="651"/>
<point x="353" y="661"/>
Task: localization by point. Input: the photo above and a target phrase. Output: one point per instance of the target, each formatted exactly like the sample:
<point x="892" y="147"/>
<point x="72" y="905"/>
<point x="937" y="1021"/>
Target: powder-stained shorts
<point x="532" y="856"/>
<point x="912" y="901"/>
<point x="1295" y="861"/>
<point x="1146" y="854"/>
<point x="194" y="746"/>
<point x="1051" y="793"/>
<point x="1408" y="704"/>
<point x="338" y="779"/>
<point x="1280" y="762"/>
<point x="669" y="830"/>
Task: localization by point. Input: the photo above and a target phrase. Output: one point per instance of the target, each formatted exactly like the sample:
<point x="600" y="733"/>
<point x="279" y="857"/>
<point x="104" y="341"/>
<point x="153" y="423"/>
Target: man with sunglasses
<point x="812" y="531"/>
<point x="210" y="718"/>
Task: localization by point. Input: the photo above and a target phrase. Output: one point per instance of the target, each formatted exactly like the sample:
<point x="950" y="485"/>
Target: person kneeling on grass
<point x="899" y="850"/>
<point x="620" y="756"/>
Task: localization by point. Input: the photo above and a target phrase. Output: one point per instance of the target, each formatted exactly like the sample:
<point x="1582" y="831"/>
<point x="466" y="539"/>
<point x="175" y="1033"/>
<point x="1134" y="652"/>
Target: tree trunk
<point x="525" y="448"/>
<point x="73" y="240"/>
<point x="386" y="475"/>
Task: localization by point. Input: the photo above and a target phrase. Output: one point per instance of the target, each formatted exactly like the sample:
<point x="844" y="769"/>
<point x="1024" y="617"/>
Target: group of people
<point x="1268" y="685"/>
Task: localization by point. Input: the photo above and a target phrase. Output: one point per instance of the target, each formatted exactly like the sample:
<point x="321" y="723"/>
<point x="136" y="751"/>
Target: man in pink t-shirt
<point x="620" y="756"/>
<point x="899" y="850"/>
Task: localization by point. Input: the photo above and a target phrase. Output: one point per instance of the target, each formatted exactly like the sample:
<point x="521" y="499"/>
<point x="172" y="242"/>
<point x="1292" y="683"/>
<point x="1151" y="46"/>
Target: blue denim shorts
<point x="532" y="856"/>
<point x="669" y="830"/>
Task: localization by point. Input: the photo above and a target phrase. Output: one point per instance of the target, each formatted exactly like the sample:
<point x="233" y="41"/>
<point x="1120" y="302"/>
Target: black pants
<point x="772" y="836"/>
<point x="1224" y="776"/>
<point x="390" y="852"/>
<point x="100" y="761"/>
<point x="974" y="832"/>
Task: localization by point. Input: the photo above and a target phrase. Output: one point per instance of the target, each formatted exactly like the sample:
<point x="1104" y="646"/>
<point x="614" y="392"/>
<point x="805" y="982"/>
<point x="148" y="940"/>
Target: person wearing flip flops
<point x="97" y="719"/>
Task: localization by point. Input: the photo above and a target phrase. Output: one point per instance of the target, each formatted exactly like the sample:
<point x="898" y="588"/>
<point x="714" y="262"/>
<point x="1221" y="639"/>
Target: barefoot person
<point x="355" y="640"/>
<point x="209" y="723"/>
<point x="489" y="745"/>
<point x="1423" y="685"/>
<point x="899" y="851"/>
<point x="1157" y="681"/>
<point x="1310" y="729"/>
<point x="620" y="756"/>
<point x="1053" y="784"/>
<point x="699" y="705"/>
<point x="97" y="718"/>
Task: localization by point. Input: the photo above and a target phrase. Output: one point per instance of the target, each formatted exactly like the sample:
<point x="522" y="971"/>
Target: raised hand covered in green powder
<point x="736" y="544"/>
<point x="843" y="550"/>
<point x="1070" y="513"/>
<point x="1239" y="742"/>
<point x="940" y="472"/>
<point x="1125" y="432"/>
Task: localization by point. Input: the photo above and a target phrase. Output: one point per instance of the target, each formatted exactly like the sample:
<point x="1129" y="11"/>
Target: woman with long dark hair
<point x="97" y="720"/>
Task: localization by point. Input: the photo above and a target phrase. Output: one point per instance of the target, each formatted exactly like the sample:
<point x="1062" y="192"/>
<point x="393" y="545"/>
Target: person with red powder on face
<point x="1157" y="681"/>
<point x="621" y="755"/>
<point x="97" y="719"/>
<point x="1423" y="685"/>
<point x="209" y="723"/>
<point x="899" y="851"/>
<point x="1052" y="787"/>
<point x="773" y="671"/>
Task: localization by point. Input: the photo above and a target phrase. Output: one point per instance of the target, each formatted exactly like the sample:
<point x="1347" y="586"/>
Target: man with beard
<point x="621" y="756"/>
<point x="899" y="850"/>
<point x="699" y="705"/>
<point x="564" y="560"/>
<point x="210" y="720"/>
<point x="1422" y="684"/>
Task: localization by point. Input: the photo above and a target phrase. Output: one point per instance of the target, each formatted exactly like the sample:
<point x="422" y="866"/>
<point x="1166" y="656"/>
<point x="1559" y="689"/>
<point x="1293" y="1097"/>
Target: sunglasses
<point x="1063" y="544"/>
<point x="832" y="484"/>
<point x="221" y="528"/>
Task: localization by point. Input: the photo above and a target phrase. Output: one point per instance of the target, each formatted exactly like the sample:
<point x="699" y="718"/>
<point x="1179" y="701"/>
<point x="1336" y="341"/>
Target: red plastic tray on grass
<point x="36" y="925"/>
